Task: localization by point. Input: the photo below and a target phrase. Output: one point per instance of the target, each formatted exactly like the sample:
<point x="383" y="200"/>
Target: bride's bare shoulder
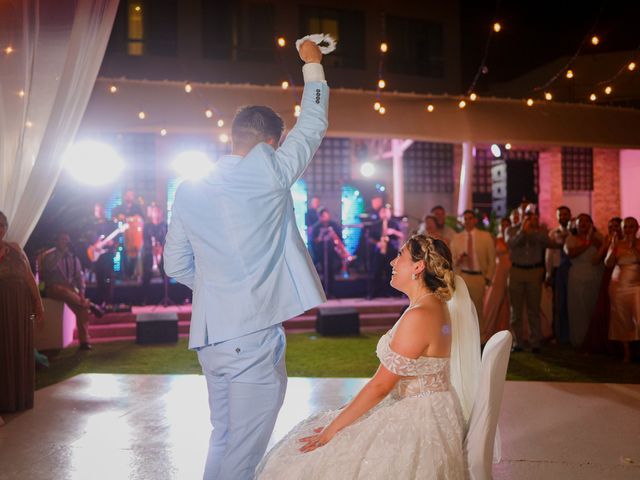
<point x="419" y="327"/>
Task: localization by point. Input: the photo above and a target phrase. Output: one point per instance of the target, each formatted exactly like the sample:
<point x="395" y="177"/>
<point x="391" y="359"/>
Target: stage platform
<point x="375" y="314"/>
<point x="156" y="427"/>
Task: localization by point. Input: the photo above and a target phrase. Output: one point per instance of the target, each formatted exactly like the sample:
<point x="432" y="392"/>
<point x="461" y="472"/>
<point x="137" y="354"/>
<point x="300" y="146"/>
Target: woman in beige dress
<point x="624" y="324"/>
<point x="20" y="305"/>
<point x="496" y="301"/>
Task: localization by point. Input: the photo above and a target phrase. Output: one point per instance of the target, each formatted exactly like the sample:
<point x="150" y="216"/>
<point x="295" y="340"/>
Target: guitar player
<point x="103" y="267"/>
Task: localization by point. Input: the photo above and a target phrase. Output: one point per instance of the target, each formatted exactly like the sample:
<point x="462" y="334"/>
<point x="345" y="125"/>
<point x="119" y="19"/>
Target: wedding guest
<point x="429" y="226"/>
<point x="474" y="257"/>
<point x="63" y="278"/>
<point x="625" y="289"/>
<point x="311" y="218"/>
<point x="324" y="233"/>
<point x="596" y="338"/>
<point x="154" y="234"/>
<point x="386" y="238"/>
<point x="20" y="305"/>
<point x="445" y="232"/>
<point x="527" y="243"/>
<point x="557" y="274"/>
<point x="496" y="302"/>
<point x="584" y="277"/>
<point x="373" y="211"/>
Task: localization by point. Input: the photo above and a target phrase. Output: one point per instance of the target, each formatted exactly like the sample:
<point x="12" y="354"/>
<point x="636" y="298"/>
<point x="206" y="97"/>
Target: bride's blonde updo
<point x="438" y="275"/>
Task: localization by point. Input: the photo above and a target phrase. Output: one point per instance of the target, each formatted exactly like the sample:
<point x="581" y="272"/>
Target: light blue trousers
<point x="247" y="380"/>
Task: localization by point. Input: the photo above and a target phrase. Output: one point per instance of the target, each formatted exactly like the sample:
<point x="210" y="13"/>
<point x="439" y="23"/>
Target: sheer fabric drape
<point x="50" y="57"/>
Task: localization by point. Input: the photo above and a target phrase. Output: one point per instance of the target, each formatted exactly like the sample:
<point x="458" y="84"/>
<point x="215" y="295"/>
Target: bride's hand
<point x="322" y="437"/>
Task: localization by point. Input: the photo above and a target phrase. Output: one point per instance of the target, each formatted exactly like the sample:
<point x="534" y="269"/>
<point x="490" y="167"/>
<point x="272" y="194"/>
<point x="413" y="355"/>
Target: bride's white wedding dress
<point x="415" y="433"/>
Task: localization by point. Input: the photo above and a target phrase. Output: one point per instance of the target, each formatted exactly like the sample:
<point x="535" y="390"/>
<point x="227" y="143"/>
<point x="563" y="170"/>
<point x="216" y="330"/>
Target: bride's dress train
<point x="415" y="433"/>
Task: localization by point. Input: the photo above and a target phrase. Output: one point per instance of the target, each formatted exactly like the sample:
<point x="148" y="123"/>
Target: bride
<point x="409" y="420"/>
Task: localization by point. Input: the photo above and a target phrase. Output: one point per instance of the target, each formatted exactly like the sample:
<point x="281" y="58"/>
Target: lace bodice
<point x="421" y="376"/>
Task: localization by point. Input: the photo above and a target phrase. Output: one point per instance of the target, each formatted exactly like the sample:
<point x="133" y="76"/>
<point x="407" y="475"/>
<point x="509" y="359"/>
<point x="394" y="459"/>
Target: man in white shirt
<point x="474" y="257"/>
<point x="557" y="264"/>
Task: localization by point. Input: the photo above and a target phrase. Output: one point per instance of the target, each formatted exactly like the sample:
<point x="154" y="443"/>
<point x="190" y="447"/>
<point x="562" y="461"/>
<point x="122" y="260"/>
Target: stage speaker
<point x="156" y="328"/>
<point x="338" y="321"/>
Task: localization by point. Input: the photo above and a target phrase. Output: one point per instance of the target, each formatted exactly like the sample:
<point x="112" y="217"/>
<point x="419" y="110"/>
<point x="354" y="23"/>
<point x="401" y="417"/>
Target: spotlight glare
<point x="367" y="169"/>
<point x="192" y="165"/>
<point x="93" y="163"/>
<point x="495" y="150"/>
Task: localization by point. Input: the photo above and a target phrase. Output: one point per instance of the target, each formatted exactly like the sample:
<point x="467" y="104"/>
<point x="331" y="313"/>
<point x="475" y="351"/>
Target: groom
<point x="234" y="241"/>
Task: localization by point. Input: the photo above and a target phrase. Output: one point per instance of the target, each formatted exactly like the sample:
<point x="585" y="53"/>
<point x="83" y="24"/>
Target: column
<point x="465" y="197"/>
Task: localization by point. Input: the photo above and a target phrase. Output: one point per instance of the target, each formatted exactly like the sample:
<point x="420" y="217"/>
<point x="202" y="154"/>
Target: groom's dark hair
<point x="254" y="124"/>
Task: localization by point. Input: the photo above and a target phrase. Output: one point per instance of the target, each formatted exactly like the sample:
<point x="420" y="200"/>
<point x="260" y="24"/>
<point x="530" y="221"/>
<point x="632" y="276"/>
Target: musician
<point x="99" y="229"/>
<point x="373" y="212"/>
<point x="130" y="212"/>
<point x="63" y="278"/>
<point x="310" y="219"/>
<point x="386" y="238"/>
<point x="155" y="232"/>
<point x="324" y="233"/>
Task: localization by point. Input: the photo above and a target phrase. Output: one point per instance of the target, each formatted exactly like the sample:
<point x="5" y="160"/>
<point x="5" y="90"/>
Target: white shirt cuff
<point x="313" y="72"/>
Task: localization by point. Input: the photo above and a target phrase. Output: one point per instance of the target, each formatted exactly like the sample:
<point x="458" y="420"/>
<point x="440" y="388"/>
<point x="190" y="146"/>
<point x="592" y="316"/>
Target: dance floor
<point x="99" y="426"/>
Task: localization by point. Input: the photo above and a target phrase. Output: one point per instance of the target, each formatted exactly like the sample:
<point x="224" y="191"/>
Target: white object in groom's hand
<point x="325" y="42"/>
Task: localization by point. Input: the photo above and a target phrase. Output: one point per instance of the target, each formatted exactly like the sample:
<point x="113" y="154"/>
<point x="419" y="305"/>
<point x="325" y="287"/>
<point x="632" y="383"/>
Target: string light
<point x="163" y="132"/>
<point x="284" y="85"/>
<point x="208" y="113"/>
<point x="462" y="104"/>
<point x="631" y="66"/>
<point x="608" y="90"/>
<point x="384" y="48"/>
<point x="595" y="40"/>
<point x="21" y="93"/>
<point x="382" y="110"/>
<point x="569" y="74"/>
<point x="382" y="83"/>
<point x="113" y="89"/>
<point x="473" y="97"/>
<point x="137" y="8"/>
<point x="497" y="27"/>
<point x="281" y="42"/>
<point x="507" y="146"/>
<point x="593" y="97"/>
<point x="376" y="106"/>
<point x="142" y="115"/>
<point x="8" y="50"/>
<point x="430" y="108"/>
<point x="220" y="123"/>
<point x="296" y="111"/>
<point x="529" y="102"/>
<point x="28" y="124"/>
<point x="187" y="88"/>
<point x="224" y="138"/>
<point x="548" y="96"/>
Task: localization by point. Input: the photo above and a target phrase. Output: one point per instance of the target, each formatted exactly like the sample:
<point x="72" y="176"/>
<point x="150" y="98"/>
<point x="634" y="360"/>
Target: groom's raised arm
<point x="295" y="153"/>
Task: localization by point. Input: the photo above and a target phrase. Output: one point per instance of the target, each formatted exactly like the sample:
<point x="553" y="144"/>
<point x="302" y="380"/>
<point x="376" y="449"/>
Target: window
<point x="415" y="47"/>
<point x="135" y="28"/>
<point x="428" y="167"/>
<point x="577" y="169"/>
<point x="161" y="21"/>
<point x="257" y="33"/>
<point x="346" y="26"/>
<point x="331" y="166"/>
<point x="217" y="29"/>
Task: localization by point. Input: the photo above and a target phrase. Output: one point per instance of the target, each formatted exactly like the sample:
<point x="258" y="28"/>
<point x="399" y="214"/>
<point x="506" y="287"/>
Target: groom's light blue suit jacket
<point x="233" y="237"/>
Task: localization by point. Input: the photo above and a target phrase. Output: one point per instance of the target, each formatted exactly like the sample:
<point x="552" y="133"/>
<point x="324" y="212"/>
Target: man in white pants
<point x="233" y="239"/>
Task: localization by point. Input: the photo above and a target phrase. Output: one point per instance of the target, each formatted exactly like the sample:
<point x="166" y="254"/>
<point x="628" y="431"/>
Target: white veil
<point x="465" y="347"/>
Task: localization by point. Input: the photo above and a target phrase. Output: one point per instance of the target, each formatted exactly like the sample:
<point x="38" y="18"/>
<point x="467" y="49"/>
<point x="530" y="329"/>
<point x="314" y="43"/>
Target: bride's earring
<point x="414" y="276"/>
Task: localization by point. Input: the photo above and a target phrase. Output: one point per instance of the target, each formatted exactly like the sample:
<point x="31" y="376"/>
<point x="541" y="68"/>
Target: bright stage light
<point x="93" y="163"/>
<point x="192" y="165"/>
<point x="367" y="169"/>
<point x="495" y="150"/>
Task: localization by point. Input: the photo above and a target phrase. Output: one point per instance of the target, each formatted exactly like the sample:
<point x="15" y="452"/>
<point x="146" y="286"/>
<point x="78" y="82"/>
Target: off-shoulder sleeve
<point x="393" y="361"/>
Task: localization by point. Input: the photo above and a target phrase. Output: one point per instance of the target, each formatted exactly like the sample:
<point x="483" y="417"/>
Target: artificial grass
<point x="310" y="355"/>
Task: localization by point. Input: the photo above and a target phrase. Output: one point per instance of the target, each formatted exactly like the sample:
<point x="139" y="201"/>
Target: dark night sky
<point x="537" y="32"/>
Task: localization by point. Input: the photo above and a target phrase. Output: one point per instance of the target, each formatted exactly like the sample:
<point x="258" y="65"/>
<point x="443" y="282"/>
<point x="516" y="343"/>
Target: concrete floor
<point x="156" y="427"/>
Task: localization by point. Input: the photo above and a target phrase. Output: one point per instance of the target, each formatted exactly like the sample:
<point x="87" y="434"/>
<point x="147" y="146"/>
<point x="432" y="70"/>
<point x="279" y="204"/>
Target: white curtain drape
<point x="51" y="51"/>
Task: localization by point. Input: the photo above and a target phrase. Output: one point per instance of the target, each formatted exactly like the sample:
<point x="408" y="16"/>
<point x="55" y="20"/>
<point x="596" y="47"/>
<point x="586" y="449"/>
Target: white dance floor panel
<point x="99" y="426"/>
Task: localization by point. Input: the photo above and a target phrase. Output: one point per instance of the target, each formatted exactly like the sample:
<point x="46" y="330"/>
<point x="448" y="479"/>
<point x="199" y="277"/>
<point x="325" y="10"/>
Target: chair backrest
<point x="483" y="422"/>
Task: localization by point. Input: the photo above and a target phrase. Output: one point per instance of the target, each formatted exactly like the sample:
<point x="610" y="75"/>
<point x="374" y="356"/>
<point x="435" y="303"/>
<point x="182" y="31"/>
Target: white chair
<point x="483" y="422"/>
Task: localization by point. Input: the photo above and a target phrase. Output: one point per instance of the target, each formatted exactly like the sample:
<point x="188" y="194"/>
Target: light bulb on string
<point x="569" y="74"/>
<point x="8" y="50"/>
<point x="220" y="123"/>
<point x="188" y="88"/>
<point x="28" y="124"/>
<point x="21" y="93"/>
<point x="142" y="115"/>
<point x="548" y="96"/>
<point x="430" y="108"/>
<point x="593" y="97"/>
<point x="595" y="40"/>
<point x="113" y="89"/>
<point x="208" y="113"/>
<point x="284" y="85"/>
<point x="497" y="27"/>
<point x="382" y="110"/>
<point x="507" y="146"/>
<point x="376" y="106"/>
<point x="224" y="138"/>
<point x="473" y="97"/>
<point x="631" y="66"/>
<point x="163" y="132"/>
<point x="382" y="83"/>
<point x="462" y="104"/>
<point x="608" y="90"/>
<point x="296" y="111"/>
<point x="529" y="102"/>
<point x="384" y="48"/>
<point x="281" y="42"/>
